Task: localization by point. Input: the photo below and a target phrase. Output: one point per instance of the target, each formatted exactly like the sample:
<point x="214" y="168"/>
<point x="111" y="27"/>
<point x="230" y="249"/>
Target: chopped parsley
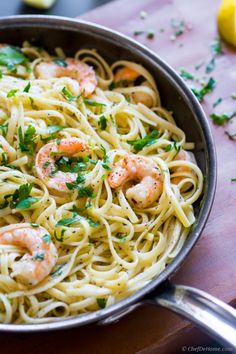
<point x="148" y="140"/>
<point x="93" y="103"/>
<point x="27" y="140"/>
<point x="82" y="191"/>
<point x="216" y="47"/>
<point x="4" y="129"/>
<point x="58" y="271"/>
<point x="71" y="164"/>
<point x="68" y="95"/>
<point x="77" y="218"/>
<point x="218" y="101"/>
<point x="20" y="199"/>
<point x="10" y="56"/>
<point x="47" y="238"/>
<point x="60" y="62"/>
<point x="101" y="302"/>
<point x="210" y="65"/>
<point x="170" y="147"/>
<point x="221" y="119"/>
<point x="39" y="256"/>
<point x="102" y="122"/>
<point x="12" y="93"/>
<point x="121" y="237"/>
<point x="233" y="179"/>
<point x="105" y="159"/>
<point x="27" y="87"/>
<point x="34" y="224"/>
<point x="54" y="129"/>
<point x="179" y="27"/>
<point x="68" y="221"/>
<point x="138" y="33"/>
<point x="209" y="87"/>
<point x="186" y="75"/>
<point x="150" y="34"/>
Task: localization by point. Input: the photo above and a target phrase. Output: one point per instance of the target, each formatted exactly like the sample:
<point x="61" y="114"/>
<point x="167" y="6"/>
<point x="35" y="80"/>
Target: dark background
<point x="69" y="8"/>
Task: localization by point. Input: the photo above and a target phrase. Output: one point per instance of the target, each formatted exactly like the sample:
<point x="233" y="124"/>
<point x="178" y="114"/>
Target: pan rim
<point x="76" y="25"/>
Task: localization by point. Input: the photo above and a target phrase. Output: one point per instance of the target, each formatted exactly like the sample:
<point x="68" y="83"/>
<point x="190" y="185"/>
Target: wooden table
<point x="211" y="265"/>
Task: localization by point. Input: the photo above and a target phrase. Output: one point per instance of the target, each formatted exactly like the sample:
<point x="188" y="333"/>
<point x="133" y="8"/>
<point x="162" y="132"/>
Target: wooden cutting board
<point x="211" y="265"/>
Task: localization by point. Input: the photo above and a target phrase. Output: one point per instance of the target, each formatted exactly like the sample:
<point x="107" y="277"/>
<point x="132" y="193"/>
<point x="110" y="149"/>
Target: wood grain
<point x="211" y="265"/>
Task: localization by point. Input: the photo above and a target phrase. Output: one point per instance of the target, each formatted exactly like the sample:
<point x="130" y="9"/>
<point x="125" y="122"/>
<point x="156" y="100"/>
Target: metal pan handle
<point x="211" y="314"/>
<point x="214" y="316"/>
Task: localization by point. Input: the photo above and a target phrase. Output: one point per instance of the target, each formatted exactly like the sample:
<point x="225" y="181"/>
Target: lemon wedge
<point x="40" y="4"/>
<point x="227" y="21"/>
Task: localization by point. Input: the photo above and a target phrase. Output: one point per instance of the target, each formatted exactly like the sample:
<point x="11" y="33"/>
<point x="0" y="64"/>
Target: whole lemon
<point x="227" y="21"/>
<point x="40" y="4"/>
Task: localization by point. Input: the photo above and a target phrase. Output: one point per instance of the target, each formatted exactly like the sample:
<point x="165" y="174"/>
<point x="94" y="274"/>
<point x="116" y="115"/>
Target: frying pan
<point x="212" y="315"/>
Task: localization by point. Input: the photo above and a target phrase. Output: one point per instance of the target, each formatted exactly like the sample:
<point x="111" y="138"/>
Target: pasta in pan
<point x="97" y="183"/>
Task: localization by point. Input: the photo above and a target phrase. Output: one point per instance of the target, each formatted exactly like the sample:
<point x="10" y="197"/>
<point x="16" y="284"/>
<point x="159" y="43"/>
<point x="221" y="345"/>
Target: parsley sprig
<point x="27" y="140"/>
<point x="148" y="140"/>
<point x="20" y="199"/>
<point x="209" y="87"/>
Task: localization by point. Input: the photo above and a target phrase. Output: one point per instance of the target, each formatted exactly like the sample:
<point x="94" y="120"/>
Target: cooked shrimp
<point x="182" y="155"/>
<point x="34" y="266"/>
<point x="126" y="73"/>
<point x="49" y="153"/>
<point x="130" y="75"/>
<point x="75" y="69"/>
<point x="138" y="168"/>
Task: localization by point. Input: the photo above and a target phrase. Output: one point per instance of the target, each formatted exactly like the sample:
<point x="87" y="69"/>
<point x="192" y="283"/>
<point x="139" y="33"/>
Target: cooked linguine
<point x="104" y="242"/>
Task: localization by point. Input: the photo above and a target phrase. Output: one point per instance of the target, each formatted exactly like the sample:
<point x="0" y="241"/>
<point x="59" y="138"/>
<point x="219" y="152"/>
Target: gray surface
<point x="69" y="8"/>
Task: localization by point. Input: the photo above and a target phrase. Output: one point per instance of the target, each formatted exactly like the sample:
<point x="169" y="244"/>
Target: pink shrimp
<point x="49" y="153"/>
<point x="138" y="168"/>
<point x="34" y="266"/>
<point x="74" y="69"/>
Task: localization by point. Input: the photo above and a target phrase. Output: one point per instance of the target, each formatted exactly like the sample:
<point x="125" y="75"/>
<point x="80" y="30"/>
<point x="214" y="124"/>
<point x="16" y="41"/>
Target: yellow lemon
<point x="227" y="21"/>
<point x="40" y="4"/>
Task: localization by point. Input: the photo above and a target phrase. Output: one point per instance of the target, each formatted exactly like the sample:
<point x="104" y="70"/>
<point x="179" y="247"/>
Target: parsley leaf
<point x="39" y="256"/>
<point x="21" y="199"/>
<point x="102" y="122"/>
<point x="218" y="101"/>
<point x="209" y="87"/>
<point x="47" y="238"/>
<point x="233" y="179"/>
<point x="58" y="271"/>
<point x="26" y="203"/>
<point x="178" y="26"/>
<point x="68" y="221"/>
<point x="216" y="47"/>
<point x="27" y="87"/>
<point x="68" y="95"/>
<point x="148" y="140"/>
<point x="93" y="103"/>
<point x="54" y="129"/>
<point x="27" y="141"/>
<point x="12" y="93"/>
<point x="105" y="159"/>
<point x="10" y="55"/>
<point x="4" y="129"/>
<point x="210" y="66"/>
<point x="150" y="34"/>
<point x="60" y="62"/>
<point x="101" y="302"/>
<point x="186" y="75"/>
<point x="221" y="119"/>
